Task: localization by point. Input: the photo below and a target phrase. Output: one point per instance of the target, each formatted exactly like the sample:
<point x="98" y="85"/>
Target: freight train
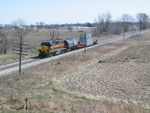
<point x="58" y="46"/>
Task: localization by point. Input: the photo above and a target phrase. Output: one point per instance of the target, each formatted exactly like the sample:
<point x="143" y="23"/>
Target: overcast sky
<point x="67" y="11"/>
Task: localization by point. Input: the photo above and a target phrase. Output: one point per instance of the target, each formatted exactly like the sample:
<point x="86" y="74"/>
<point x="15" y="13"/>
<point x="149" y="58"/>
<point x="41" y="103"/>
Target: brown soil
<point x="125" y="75"/>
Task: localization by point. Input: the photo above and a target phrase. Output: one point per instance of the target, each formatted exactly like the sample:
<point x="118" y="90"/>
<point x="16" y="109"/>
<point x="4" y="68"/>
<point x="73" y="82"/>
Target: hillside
<point x="112" y="78"/>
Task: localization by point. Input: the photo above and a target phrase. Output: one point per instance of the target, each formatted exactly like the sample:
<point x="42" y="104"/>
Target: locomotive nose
<point x="44" y="48"/>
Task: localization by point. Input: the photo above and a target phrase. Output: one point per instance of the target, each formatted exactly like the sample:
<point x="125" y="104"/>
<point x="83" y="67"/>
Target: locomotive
<point x="58" y="46"/>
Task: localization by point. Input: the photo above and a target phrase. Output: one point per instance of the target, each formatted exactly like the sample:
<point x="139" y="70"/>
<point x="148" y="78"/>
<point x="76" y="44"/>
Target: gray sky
<point x="67" y="11"/>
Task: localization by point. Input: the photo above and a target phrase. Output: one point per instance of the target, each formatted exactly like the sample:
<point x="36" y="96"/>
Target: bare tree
<point x="19" y="23"/>
<point x="143" y="20"/>
<point x="100" y="25"/>
<point x="127" y="21"/>
<point x="107" y="20"/>
<point x="21" y="30"/>
<point x="40" y="25"/>
<point x="115" y="28"/>
<point x="3" y="42"/>
<point x="103" y="23"/>
<point x="70" y="28"/>
<point x="53" y="32"/>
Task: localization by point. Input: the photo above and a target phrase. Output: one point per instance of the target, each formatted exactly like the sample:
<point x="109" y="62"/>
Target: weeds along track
<point x="13" y="67"/>
<point x="13" y="64"/>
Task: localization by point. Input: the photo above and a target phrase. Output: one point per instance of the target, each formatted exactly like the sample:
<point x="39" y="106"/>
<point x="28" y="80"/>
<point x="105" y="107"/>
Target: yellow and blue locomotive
<point x="54" y="47"/>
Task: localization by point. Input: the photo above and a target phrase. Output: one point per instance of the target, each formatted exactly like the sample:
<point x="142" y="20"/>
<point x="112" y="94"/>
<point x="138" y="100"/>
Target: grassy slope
<point x="43" y="87"/>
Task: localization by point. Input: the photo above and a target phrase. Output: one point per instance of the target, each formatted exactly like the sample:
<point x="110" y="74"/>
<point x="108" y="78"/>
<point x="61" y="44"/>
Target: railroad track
<point x="30" y="62"/>
<point x="16" y="63"/>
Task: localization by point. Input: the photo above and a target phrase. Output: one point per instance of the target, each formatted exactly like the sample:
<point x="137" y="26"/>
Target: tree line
<point x="104" y="24"/>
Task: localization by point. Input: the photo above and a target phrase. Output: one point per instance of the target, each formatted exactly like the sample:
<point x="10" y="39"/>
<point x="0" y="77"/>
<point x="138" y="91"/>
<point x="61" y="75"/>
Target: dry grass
<point x="42" y="85"/>
<point x="34" y="39"/>
<point x="7" y="58"/>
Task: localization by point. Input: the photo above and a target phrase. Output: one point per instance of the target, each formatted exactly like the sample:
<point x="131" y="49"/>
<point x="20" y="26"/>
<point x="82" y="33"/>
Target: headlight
<point x="44" y="49"/>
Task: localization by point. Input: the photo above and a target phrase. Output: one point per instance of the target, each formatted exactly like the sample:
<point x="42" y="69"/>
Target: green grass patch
<point x="39" y="97"/>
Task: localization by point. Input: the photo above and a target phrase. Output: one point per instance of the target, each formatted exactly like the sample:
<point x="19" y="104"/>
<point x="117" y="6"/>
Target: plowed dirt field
<point x="125" y="75"/>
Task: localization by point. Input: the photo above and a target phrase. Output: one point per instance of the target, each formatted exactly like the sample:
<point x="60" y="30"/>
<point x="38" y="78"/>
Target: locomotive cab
<point x="44" y="49"/>
<point x="51" y="48"/>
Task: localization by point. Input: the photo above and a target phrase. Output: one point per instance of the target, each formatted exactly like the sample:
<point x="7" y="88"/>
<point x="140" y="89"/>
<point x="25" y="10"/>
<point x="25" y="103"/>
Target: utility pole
<point x="20" y="53"/>
<point x="18" y="47"/>
<point x="85" y="42"/>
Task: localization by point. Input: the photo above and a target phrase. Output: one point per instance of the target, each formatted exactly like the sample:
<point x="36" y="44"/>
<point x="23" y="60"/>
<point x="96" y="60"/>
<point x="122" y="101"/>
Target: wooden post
<point x="26" y="103"/>
<point x="20" y="53"/>
<point x="85" y="42"/>
<point x="19" y="48"/>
